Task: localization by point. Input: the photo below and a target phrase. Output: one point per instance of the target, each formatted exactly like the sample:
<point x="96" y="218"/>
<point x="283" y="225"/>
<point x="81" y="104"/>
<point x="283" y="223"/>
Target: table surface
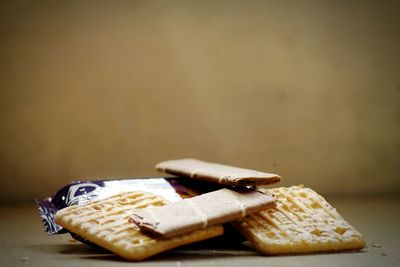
<point x="23" y="242"/>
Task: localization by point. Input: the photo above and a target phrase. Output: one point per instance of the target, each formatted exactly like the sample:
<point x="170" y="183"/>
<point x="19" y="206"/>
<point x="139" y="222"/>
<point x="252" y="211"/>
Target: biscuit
<point x="217" y="173"/>
<point x="197" y="213"/>
<point x="302" y="222"/>
<point x="106" y="223"/>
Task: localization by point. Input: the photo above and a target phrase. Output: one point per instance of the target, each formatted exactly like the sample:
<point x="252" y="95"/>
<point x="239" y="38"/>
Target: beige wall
<point x="307" y="89"/>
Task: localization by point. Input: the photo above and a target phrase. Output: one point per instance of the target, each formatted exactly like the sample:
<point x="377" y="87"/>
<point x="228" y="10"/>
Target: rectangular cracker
<point x="197" y="213"/>
<point x="302" y="222"/>
<point x="106" y="223"/>
<point x="217" y="173"/>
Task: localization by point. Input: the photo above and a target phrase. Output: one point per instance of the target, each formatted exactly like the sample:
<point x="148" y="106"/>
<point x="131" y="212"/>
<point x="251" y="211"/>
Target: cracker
<point x="217" y="173"/>
<point x="302" y="222"/>
<point x="106" y="223"/>
<point x="198" y="212"/>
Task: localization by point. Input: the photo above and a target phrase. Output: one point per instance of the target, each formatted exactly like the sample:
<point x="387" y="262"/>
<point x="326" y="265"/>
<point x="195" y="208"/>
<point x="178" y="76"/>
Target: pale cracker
<point x="105" y="223"/>
<point x="302" y="222"/>
<point x="190" y="214"/>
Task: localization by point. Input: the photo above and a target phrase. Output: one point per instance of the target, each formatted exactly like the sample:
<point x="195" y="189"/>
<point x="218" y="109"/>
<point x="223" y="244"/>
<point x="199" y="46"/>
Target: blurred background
<point x="100" y="89"/>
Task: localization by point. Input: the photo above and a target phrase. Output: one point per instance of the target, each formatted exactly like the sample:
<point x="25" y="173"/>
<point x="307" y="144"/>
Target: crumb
<point x="72" y="240"/>
<point x="375" y="245"/>
<point x="26" y="258"/>
<point x="384" y="254"/>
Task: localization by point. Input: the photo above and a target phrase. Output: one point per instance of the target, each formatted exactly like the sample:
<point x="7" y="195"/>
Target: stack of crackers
<point x="285" y="220"/>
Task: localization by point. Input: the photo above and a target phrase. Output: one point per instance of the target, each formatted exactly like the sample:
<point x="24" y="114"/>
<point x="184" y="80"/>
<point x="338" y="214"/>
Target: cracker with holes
<point x="302" y="222"/>
<point x="106" y="223"/>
